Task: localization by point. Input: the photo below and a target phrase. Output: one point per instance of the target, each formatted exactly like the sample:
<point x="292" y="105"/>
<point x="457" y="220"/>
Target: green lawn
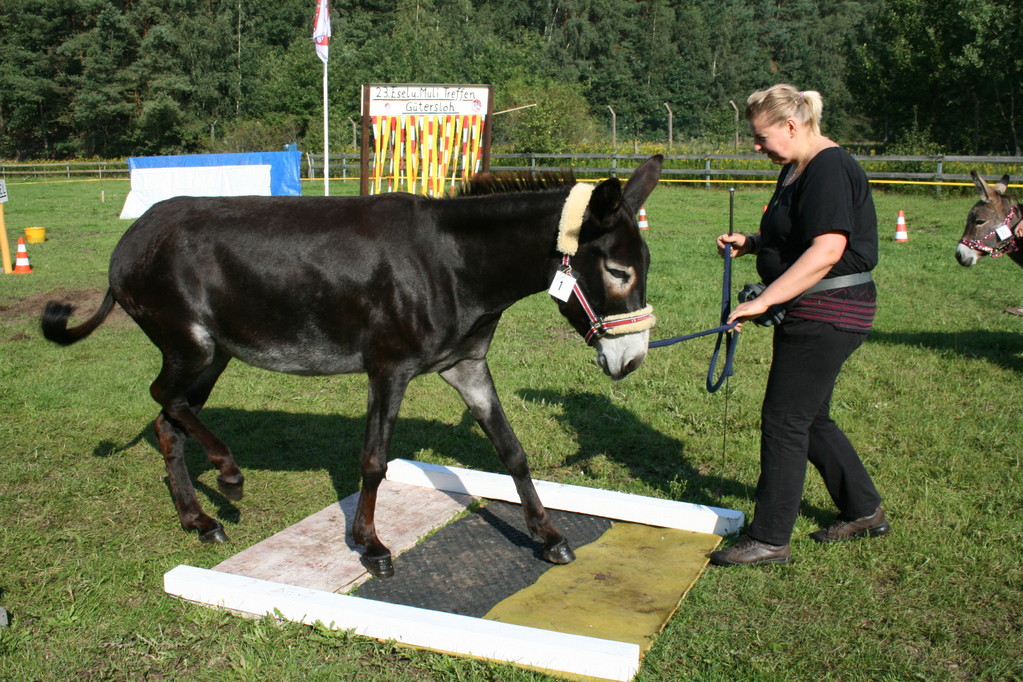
<point x="932" y="400"/>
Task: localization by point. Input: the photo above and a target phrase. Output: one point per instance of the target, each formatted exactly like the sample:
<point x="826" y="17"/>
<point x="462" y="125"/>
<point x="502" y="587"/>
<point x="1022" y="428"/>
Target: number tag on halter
<point x="1003" y="233"/>
<point x="562" y="286"/>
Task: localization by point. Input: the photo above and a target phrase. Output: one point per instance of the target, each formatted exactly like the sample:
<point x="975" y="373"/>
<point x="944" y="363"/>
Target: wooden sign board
<point x="423" y="138"/>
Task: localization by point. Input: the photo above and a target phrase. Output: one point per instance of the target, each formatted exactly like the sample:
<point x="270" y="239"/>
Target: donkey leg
<point x="181" y="371"/>
<point x="385" y="396"/>
<point x="172" y="444"/>
<point x="230" y="481"/>
<point x="471" y="378"/>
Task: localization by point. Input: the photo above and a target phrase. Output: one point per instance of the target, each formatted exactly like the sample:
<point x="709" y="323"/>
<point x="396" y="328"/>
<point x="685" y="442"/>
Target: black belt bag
<point x="776" y="313"/>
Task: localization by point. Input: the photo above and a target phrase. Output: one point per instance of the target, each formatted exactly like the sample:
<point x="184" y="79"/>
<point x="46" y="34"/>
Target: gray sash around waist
<point x="839" y="282"/>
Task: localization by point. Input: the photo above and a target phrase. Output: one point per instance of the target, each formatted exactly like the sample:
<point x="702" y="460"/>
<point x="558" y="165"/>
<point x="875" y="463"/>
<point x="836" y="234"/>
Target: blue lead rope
<point x="731" y="338"/>
<point x="724" y="331"/>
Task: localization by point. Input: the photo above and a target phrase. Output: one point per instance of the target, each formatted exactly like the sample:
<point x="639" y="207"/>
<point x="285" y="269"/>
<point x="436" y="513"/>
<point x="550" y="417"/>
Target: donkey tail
<point x="56" y="316"/>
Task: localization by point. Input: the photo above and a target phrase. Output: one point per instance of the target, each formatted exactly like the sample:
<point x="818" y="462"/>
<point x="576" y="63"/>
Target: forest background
<point x="114" y="78"/>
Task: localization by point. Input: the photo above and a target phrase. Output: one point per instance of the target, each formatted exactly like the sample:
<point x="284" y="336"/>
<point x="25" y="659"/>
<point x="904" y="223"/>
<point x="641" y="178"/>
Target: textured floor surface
<point x="475" y="562"/>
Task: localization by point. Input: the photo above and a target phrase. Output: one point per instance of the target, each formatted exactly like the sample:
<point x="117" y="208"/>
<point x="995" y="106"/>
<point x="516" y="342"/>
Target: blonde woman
<point x="815" y="250"/>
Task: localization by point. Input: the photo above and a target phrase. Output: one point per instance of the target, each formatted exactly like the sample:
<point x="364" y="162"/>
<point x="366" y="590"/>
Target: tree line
<point x="114" y="78"/>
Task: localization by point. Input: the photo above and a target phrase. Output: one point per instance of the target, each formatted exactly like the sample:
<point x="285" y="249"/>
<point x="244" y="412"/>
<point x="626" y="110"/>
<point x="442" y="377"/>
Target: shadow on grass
<point x="651" y="456"/>
<point x="656" y="458"/>
<point x="286" y="441"/>
<point x="1001" y="348"/>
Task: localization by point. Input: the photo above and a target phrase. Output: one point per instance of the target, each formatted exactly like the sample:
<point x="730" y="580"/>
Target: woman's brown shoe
<point x="750" y="552"/>
<point x="840" y="531"/>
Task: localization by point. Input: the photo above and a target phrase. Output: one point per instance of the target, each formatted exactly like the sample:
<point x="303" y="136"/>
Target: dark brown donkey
<point x="991" y="227"/>
<point x="393" y="285"/>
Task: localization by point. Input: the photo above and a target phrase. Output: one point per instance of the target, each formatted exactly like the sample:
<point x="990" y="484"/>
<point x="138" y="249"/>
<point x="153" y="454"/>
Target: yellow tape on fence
<point x="772" y="181"/>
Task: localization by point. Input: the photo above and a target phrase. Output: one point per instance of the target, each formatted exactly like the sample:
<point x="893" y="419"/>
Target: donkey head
<point x="610" y="264"/>
<point x="989" y="224"/>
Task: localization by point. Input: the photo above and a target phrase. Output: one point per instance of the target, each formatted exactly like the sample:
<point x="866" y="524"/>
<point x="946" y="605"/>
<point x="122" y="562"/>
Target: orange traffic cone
<point x="21" y="266"/>
<point x="643" y="224"/>
<point x="900" y="228"/>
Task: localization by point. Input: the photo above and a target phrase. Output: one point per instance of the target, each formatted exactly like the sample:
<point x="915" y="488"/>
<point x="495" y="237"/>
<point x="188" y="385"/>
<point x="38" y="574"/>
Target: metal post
<point x="735" y="148"/>
<point x="614" y="128"/>
<point x="670" y="132"/>
<point x="614" y="141"/>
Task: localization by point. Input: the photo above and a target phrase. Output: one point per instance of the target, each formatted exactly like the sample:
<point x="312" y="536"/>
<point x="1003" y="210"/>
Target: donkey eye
<point x="615" y="272"/>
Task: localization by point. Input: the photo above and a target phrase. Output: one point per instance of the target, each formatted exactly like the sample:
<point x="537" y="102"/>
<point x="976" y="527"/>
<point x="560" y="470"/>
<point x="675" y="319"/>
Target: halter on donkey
<point x="393" y="285"/>
<point x="990" y="225"/>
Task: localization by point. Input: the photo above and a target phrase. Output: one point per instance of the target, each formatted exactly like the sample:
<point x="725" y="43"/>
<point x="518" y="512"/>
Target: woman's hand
<point x="741" y="244"/>
<point x="750" y="310"/>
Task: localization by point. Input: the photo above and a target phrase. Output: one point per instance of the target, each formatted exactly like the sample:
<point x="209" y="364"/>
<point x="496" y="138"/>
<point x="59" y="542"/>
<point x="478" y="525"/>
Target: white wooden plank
<point x="435" y="630"/>
<point x="606" y="503"/>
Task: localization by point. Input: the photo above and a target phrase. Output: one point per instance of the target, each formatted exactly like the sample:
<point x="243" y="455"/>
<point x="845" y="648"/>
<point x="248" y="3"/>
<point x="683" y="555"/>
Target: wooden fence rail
<point x="689" y="168"/>
<point x="64" y="170"/>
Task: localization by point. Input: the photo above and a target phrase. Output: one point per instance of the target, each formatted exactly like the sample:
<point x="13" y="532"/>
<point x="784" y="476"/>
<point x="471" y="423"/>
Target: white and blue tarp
<point x="155" y="178"/>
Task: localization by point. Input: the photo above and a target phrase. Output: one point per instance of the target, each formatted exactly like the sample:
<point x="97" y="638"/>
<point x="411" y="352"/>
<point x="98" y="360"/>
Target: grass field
<point x="932" y="400"/>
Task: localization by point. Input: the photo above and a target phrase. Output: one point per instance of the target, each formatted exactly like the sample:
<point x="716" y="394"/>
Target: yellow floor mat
<point x="624" y="587"/>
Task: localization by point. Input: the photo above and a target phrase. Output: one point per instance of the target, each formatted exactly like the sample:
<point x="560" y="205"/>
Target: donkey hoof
<point x="214" y="535"/>
<point x="378" y="566"/>
<point x="559" y="553"/>
<point x="232" y="491"/>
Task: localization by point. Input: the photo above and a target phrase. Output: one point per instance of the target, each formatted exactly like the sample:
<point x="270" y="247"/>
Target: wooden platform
<point x="296" y="573"/>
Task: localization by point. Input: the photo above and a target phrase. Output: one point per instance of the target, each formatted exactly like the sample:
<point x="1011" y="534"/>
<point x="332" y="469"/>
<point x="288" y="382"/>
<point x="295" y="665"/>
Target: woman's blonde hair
<point x="782" y="102"/>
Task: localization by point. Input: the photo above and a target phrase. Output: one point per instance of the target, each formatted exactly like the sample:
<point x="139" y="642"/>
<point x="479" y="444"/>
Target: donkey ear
<point x="985" y="189"/>
<point x="605" y="200"/>
<point x="642" y="182"/>
<point x="981" y="185"/>
<point x="1001" y="185"/>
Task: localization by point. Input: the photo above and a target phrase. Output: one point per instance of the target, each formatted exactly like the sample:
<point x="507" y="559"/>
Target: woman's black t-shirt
<point x="832" y="194"/>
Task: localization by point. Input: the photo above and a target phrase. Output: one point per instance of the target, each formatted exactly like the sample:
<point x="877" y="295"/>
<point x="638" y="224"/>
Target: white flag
<point x="321" y="29"/>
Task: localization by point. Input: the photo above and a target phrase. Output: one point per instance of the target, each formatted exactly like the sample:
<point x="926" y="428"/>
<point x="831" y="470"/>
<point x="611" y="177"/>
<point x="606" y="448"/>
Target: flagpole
<point x="326" y="147"/>
<point x="321" y="38"/>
